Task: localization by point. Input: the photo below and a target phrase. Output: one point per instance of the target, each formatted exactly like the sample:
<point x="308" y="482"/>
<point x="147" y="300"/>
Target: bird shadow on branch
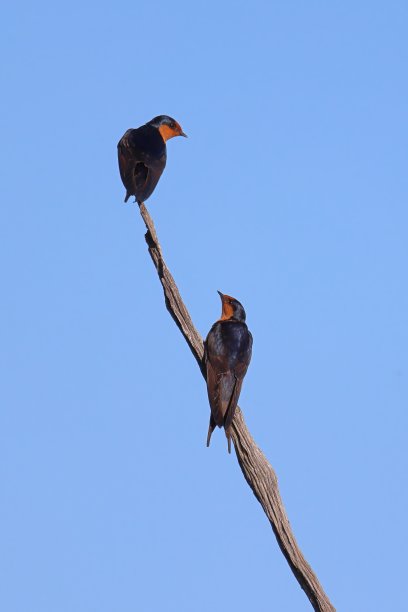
<point x="256" y="469"/>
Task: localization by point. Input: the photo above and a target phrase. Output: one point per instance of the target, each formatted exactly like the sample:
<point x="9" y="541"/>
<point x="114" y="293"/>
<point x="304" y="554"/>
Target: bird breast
<point x="228" y="343"/>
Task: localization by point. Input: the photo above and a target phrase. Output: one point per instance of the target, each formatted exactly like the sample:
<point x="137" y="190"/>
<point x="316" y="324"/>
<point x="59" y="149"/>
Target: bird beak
<point x="183" y="134"/>
<point x="220" y="294"/>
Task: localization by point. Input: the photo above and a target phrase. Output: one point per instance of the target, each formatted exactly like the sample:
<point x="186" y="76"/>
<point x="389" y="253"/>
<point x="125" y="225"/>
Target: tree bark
<point x="256" y="469"/>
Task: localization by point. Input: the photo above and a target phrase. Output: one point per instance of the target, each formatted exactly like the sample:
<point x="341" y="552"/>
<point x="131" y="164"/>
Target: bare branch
<point x="256" y="469"/>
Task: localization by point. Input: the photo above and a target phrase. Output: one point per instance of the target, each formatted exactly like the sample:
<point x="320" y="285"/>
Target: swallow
<point x="227" y="353"/>
<point x="142" y="155"/>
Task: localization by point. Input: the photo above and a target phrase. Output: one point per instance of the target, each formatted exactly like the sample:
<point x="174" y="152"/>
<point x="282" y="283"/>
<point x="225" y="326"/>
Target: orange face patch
<point x="227" y="309"/>
<point x="167" y="132"/>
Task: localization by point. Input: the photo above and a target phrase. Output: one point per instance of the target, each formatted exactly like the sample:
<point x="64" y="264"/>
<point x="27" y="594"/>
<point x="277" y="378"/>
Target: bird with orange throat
<point x="227" y="353"/>
<point x="142" y="155"/>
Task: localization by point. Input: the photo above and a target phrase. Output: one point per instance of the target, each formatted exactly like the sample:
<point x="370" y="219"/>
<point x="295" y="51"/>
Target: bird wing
<point x="129" y="157"/>
<point x="139" y="170"/>
<point x="239" y="372"/>
<point x="229" y="417"/>
<point x="220" y="386"/>
<point x="129" y="163"/>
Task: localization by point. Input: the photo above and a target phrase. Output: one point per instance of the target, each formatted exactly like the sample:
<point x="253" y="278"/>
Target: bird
<point x="227" y="354"/>
<point x="142" y="155"/>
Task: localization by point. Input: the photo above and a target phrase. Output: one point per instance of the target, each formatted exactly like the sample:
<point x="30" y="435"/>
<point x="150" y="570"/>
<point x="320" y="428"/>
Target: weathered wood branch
<point x="256" y="469"/>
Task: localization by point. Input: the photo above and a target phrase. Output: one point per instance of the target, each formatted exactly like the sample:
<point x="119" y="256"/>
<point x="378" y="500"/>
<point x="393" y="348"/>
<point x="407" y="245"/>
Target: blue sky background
<point x="290" y="194"/>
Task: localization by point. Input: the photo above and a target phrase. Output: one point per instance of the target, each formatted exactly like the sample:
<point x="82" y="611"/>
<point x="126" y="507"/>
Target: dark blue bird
<point x="142" y="155"/>
<point x="227" y="353"/>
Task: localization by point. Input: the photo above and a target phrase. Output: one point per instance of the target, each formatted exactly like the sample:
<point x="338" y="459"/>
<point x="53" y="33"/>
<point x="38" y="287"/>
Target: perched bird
<point x="142" y="155"/>
<point x="227" y="353"/>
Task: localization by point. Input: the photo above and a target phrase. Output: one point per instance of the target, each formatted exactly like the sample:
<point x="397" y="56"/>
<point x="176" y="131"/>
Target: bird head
<point x="231" y="308"/>
<point x="167" y="127"/>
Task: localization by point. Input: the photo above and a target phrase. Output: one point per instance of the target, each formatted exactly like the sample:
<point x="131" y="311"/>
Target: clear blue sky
<point x="291" y="194"/>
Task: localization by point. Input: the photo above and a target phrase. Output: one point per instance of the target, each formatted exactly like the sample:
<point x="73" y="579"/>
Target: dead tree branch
<point x="256" y="469"/>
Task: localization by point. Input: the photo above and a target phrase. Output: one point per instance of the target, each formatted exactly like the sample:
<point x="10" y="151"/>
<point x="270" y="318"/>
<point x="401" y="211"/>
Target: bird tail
<point x="127" y="196"/>
<point x="211" y="428"/>
<point x="228" y="435"/>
